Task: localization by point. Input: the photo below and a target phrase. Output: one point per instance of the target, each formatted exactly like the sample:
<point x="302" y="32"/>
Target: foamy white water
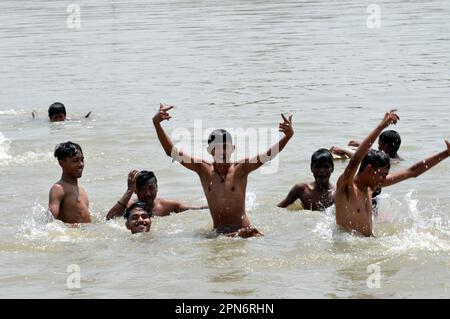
<point x="233" y="64"/>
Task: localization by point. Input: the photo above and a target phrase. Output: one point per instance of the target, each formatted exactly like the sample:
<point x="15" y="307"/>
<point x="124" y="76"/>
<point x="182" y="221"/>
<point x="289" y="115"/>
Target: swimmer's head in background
<point x="57" y="112"/>
<point x="220" y="145"/>
<point x="389" y="142"/>
<point x="70" y="158"/>
<point x="146" y="186"/>
<point x="375" y="167"/>
<point x="322" y="164"/>
<point x="138" y="218"/>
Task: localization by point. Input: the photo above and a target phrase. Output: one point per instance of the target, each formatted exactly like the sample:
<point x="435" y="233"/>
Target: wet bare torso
<point x="314" y="199"/>
<point x="354" y="208"/>
<point x="74" y="206"/>
<point x="226" y="198"/>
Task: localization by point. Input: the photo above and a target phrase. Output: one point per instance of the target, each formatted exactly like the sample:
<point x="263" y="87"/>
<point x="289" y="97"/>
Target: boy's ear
<point x="369" y="168"/>
<point x="60" y="162"/>
<point x="127" y="224"/>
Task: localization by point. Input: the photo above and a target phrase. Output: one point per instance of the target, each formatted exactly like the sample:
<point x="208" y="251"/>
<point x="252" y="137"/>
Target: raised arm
<point x="364" y="147"/>
<point x="187" y="161"/>
<point x="418" y="168"/>
<point x="292" y="196"/>
<point x="250" y="164"/>
<point x="56" y="196"/>
<point x="122" y="204"/>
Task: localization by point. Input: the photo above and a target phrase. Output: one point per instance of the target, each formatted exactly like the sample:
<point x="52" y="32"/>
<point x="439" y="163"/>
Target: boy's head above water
<point x="70" y="158"/>
<point x="322" y="165"/>
<point x="220" y="146"/>
<point x="138" y="218"/>
<point x="146" y="186"/>
<point x="389" y="142"/>
<point x="374" y="168"/>
<point x="57" y="112"/>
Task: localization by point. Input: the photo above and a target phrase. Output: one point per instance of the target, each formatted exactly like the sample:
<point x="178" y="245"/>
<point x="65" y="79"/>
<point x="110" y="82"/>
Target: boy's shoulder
<point x="58" y="188"/>
<point x="302" y="186"/>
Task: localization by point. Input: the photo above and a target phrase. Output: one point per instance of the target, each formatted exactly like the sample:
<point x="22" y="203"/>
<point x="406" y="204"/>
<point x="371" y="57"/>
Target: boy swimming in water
<point x="57" y="113"/>
<point x="145" y="185"/>
<point x="68" y="201"/>
<point x="138" y="218"/>
<point x="224" y="182"/>
<point x="319" y="194"/>
<point x="354" y="187"/>
<point x="388" y="142"/>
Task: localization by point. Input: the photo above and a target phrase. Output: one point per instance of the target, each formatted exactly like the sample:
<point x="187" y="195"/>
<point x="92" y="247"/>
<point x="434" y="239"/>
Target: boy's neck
<point x="322" y="185"/>
<point x="221" y="168"/>
<point x="69" y="179"/>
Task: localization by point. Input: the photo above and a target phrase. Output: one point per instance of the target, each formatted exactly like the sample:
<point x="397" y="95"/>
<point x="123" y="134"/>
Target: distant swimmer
<point x="355" y="186"/>
<point x="68" y="201"/>
<point x="145" y="186"/>
<point x="137" y="218"/>
<point x="319" y="194"/>
<point x="224" y="182"/>
<point x="57" y="113"/>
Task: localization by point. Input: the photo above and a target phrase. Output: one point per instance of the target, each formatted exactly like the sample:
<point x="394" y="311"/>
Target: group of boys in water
<point x="224" y="182"/>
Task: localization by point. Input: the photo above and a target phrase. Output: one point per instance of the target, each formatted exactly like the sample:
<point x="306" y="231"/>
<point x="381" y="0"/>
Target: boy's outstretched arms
<point x="250" y="164"/>
<point x="187" y="161"/>
<point x="418" y="168"/>
<point x="350" y="171"/>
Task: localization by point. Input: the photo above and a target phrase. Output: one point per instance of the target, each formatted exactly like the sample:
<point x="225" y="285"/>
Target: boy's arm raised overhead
<point x="187" y="161"/>
<point x="56" y="196"/>
<point x="293" y="195"/>
<point x="122" y="204"/>
<point x="350" y="171"/>
<point x="251" y="164"/>
<point x="418" y="168"/>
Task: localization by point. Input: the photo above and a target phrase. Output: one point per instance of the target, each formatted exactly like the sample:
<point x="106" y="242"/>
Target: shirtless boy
<point x="68" y="201"/>
<point x="224" y="182"/>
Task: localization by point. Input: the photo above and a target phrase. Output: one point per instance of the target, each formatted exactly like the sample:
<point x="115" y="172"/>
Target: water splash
<point x="250" y="201"/>
<point x="4" y="148"/>
<point x="8" y="112"/>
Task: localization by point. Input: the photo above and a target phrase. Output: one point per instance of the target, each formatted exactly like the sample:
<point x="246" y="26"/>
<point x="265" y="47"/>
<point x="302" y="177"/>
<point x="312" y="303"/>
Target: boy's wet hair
<point x="67" y="149"/>
<point x="140" y="205"/>
<point x="219" y="136"/>
<point x="392" y="139"/>
<point x="377" y="159"/>
<point x="56" y="108"/>
<point x="322" y="155"/>
<point x="144" y="178"/>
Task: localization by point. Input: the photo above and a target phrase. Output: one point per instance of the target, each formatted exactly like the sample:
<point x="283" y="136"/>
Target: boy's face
<point x="221" y="152"/>
<point x="147" y="193"/>
<point x="58" y="117"/>
<point x="322" y="171"/>
<point x="139" y="221"/>
<point x="74" y="165"/>
<point x="378" y="176"/>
